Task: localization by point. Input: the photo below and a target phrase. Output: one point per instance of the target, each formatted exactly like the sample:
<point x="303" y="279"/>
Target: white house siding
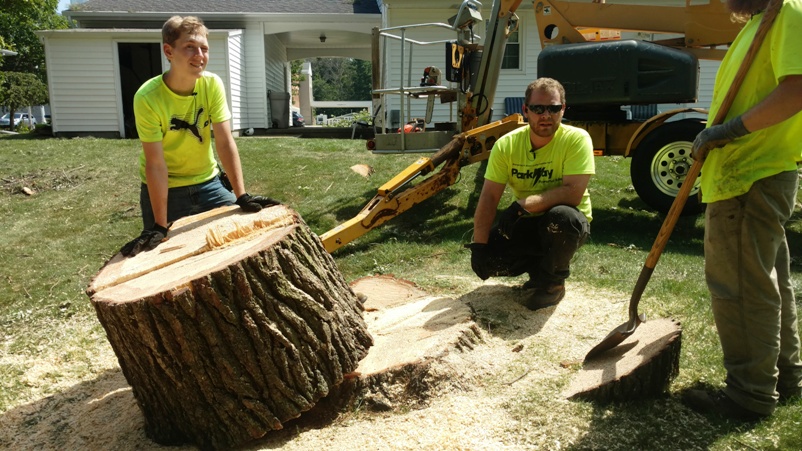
<point x="254" y="105"/>
<point x="84" y="79"/>
<point x="219" y="60"/>
<point x="512" y="82"/>
<point x="275" y="70"/>
<point x="236" y="84"/>
<point x="83" y="83"/>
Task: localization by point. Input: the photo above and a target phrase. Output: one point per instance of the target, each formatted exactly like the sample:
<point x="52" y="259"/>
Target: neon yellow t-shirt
<point x="513" y="163"/>
<point x="731" y="170"/>
<point x="183" y="125"/>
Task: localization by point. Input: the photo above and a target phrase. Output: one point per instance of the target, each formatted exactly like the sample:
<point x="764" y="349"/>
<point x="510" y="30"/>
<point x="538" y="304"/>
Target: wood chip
<point x="363" y="169"/>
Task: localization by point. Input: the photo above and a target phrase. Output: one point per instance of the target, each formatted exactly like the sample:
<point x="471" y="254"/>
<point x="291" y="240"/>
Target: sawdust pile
<point x="465" y="409"/>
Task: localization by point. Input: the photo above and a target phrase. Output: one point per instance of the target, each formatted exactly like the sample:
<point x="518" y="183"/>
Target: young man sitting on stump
<point x="548" y="166"/>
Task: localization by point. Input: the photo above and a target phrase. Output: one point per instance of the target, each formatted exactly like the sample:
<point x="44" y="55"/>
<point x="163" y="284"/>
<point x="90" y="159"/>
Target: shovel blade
<point x="615" y="337"/>
<point x="612" y="340"/>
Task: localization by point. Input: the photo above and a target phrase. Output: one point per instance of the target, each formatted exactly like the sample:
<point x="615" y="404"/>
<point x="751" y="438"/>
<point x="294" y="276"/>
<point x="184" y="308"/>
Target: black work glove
<point x="147" y="240"/>
<point x="509" y="217"/>
<point x="252" y="204"/>
<point x="480" y="258"/>
<point x="717" y="136"/>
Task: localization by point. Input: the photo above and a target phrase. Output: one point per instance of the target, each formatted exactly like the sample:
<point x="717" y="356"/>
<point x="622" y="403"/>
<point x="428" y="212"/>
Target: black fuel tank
<point x="626" y="72"/>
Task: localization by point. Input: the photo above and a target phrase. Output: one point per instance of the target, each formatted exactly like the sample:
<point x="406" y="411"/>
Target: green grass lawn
<point x="84" y="206"/>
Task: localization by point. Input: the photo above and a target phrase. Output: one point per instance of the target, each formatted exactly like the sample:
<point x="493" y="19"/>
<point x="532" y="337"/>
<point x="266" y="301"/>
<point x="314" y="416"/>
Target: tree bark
<point x="226" y="332"/>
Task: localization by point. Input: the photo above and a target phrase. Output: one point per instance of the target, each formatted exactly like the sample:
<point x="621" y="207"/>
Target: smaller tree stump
<point x="643" y="365"/>
<point x="413" y="332"/>
<point x="236" y="324"/>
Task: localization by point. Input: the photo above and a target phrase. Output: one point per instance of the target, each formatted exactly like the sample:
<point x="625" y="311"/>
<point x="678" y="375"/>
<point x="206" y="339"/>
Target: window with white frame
<point x="512" y="52"/>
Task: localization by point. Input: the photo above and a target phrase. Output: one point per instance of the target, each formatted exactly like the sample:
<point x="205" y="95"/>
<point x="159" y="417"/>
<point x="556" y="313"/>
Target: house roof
<point x="301" y="25"/>
<point x="231" y="6"/>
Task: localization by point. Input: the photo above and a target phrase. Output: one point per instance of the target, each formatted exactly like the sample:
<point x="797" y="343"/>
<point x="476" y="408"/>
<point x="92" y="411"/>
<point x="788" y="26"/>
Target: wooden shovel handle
<point x="679" y="202"/>
<point x="766" y="21"/>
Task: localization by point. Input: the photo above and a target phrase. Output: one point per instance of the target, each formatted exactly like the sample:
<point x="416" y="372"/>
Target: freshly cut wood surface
<point x="199" y="236"/>
<point x="385" y="291"/>
<point x="233" y="326"/>
<point x="642" y="365"/>
<point x="408" y="325"/>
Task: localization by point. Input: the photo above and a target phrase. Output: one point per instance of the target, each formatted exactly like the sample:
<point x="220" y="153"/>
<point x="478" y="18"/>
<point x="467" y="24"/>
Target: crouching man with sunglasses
<point x="547" y="166"/>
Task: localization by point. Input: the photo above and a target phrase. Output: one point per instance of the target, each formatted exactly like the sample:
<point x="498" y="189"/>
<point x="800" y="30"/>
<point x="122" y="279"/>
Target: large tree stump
<point x="233" y="326"/>
<point x="641" y="366"/>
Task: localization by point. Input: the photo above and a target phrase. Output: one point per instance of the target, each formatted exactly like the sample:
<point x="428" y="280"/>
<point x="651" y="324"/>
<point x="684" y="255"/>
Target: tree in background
<point x="20" y="89"/>
<point x="341" y="79"/>
<point x="19" y="20"/>
<point x="23" y="77"/>
<point x="295" y="73"/>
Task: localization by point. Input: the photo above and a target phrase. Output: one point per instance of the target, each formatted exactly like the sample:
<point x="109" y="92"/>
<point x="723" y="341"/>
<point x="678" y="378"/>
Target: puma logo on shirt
<point x="180" y="124"/>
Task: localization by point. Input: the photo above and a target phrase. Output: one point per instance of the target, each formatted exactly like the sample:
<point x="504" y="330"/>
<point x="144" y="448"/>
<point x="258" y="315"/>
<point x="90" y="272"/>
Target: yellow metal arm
<point x="397" y="196"/>
<point x="702" y="25"/>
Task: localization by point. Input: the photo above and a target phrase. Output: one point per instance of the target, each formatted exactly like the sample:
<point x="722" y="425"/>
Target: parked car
<point x="297" y="119"/>
<point x="18" y="117"/>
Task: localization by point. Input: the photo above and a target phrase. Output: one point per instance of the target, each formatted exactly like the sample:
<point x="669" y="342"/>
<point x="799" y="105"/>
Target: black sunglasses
<point x="540" y="109"/>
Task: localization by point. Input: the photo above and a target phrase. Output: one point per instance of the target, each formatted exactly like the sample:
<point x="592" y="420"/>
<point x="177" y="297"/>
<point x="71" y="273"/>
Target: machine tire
<point x="661" y="162"/>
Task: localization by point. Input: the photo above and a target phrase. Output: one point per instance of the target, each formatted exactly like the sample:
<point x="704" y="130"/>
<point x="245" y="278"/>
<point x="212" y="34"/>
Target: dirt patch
<point x="38" y="181"/>
<point x="467" y="405"/>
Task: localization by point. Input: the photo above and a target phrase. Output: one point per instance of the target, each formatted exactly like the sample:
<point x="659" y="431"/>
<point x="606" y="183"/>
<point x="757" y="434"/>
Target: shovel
<point x="621" y="332"/>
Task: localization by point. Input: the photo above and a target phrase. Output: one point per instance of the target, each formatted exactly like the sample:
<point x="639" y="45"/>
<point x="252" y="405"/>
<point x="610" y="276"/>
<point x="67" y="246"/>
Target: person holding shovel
<point x="176" y="113"/>
<point x="547" y="165"/>
<point x="750" y="181"/>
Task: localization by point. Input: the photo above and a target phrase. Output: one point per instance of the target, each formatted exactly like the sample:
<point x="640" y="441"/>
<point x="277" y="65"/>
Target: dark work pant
<point x="541" y="246"/>
<point x="748" y="271"/>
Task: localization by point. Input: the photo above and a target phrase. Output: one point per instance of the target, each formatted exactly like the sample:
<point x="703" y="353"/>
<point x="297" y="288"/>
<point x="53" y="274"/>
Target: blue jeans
<point x="187" y="200"/>
<point x="542" y="246"/>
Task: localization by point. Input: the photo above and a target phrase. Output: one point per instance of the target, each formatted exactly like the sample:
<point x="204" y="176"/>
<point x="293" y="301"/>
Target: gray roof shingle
<point x="232" y="6"/>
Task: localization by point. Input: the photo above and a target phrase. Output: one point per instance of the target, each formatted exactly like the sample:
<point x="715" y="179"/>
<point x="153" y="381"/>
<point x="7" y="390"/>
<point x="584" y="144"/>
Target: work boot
<point x="788" y="396"/>
<point x="545" y="296"/>
<point x="529" y="284"/>
<point x="719" y="403"/>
